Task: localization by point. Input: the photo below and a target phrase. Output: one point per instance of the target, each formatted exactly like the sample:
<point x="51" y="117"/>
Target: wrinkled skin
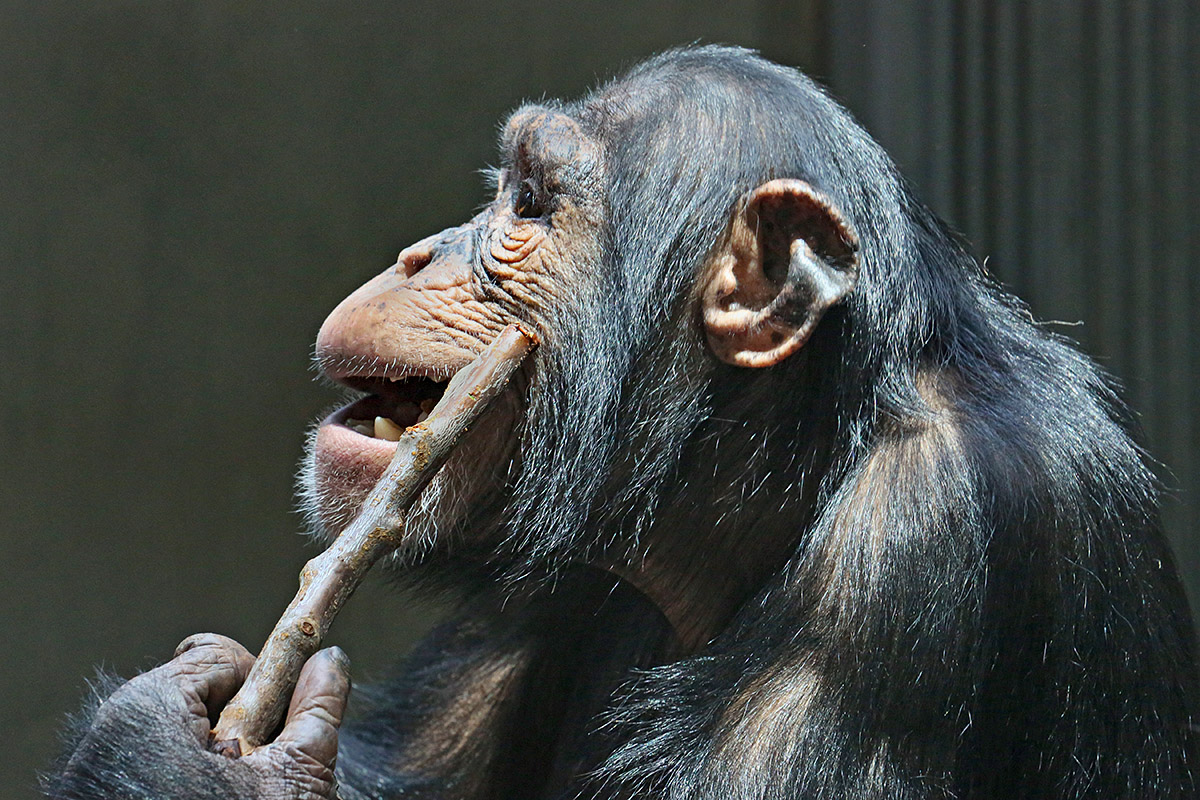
<point x="179" y="700"/>
<point x="449" y="295"/>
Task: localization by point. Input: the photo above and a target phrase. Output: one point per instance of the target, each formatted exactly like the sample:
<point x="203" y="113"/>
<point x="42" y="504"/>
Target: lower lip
<point x="348" y="463"/>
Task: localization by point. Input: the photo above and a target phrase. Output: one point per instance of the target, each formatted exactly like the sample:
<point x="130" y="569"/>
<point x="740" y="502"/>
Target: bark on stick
<point x="329" y="579"/>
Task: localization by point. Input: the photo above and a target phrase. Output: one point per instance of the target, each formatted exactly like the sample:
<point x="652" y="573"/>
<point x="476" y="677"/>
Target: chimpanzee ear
<point x="789" y="256"/>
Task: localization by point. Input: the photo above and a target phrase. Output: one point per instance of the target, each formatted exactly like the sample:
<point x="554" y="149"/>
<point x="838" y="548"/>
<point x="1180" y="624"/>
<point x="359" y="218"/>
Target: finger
<point x="318" y="704"/>
<point x="209" y="667"/>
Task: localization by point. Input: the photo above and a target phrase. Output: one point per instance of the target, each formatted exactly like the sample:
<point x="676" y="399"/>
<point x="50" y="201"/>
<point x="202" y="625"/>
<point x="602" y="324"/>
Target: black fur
<point x="959" y="586"/>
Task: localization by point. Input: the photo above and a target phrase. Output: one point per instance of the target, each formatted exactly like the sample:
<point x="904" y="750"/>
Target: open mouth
<point x="390" y="406"/>
<point x="354" y="445"/>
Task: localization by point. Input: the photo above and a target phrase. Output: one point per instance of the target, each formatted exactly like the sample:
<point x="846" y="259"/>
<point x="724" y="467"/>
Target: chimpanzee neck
<point x="700" y="571"/>
<point x="697" y="603"/>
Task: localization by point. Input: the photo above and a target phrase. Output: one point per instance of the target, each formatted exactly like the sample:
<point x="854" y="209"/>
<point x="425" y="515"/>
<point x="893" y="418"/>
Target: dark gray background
<point x="187" y="188"/>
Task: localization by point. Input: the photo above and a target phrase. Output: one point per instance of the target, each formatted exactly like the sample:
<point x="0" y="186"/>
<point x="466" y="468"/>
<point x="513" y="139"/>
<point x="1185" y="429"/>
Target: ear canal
<point x="791" y="255"/>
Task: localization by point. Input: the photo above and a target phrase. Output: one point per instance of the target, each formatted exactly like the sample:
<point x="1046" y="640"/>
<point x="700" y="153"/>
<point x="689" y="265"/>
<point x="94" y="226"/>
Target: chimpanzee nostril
<point x="413" y="260"/>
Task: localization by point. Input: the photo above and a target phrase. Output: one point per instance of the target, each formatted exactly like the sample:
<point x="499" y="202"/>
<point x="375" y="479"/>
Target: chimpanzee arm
<point x="148" y="738"/>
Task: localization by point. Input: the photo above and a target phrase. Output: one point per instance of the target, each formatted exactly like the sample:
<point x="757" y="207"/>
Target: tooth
<point x="424" y="415"/>
<point x="386" y="429"/>
<point x="363" y="426"/>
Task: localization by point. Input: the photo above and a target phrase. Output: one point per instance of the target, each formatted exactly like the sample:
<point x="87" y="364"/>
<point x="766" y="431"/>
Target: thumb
<point x="317" y="706"/>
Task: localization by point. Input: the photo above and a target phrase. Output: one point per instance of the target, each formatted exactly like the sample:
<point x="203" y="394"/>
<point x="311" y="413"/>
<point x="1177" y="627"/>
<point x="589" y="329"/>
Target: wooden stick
<point x="329" y="579"/>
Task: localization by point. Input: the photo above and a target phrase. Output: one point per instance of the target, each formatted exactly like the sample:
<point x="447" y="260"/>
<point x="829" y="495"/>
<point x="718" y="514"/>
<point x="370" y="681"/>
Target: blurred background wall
<point x="187" y="187"/>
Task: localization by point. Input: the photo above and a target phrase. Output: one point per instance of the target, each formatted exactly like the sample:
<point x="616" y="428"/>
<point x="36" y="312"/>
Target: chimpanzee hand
<point x="149" y="739"/>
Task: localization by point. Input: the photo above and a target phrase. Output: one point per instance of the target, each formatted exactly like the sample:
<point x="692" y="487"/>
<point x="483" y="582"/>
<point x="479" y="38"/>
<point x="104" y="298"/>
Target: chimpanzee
<point x="792" y="501"/>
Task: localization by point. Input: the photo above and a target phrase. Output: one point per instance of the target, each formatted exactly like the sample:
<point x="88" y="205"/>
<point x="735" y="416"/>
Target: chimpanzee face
<point x="402" y="335"/>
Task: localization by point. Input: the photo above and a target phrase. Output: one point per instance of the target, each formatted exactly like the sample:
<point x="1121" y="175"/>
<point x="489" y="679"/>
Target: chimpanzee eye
<point x="527" y="205"/>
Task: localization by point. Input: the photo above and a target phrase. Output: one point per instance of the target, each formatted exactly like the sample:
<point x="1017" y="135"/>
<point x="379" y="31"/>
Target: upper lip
<point x="355" y="370"/>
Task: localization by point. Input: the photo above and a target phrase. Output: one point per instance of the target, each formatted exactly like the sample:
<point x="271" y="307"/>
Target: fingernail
<point x="340" y="658"/>
<point x="187" y="644"/>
